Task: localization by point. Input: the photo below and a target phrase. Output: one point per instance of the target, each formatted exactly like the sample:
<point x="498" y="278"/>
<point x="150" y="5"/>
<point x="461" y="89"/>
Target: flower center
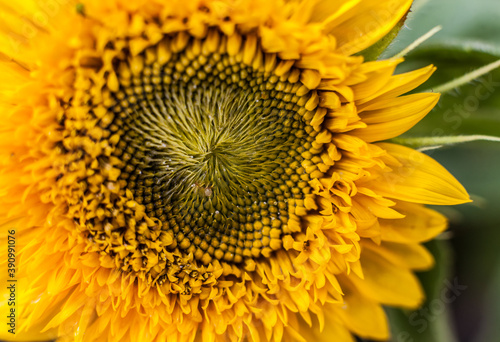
<point x="215" y="153"/>
<point x="203" y="159"/>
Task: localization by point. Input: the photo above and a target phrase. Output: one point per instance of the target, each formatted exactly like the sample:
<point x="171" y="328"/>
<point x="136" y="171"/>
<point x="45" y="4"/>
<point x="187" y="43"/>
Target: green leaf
<point x="465" y="79"/>
<point x="418" y="42"/>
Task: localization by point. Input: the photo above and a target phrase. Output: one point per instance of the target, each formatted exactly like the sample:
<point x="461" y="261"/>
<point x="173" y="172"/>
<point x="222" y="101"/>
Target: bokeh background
<point x="463" y="289"/>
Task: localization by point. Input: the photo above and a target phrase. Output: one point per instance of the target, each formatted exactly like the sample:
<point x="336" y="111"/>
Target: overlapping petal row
<point x="355" y="240"/>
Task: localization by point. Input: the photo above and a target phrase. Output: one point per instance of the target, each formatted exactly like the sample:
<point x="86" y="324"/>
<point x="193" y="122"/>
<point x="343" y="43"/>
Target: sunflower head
<point x="212" y="170"/>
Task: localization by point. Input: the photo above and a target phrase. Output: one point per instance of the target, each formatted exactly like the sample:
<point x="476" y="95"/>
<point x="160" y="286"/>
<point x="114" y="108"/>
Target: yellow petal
<point x="397" y="85"/>
<point x="387" y="283"/>
<point x="371" y="78"/>
<point x="419" y="179"/>
<point x="334" y="329"/>
<point x="332" y="13"/>
<point x="22" y="286"/>
<point x="411" y="256"/>
<point x="377" y="207"/>
<point x="28" y="336"/>
<point x="420" y="224"/>
<point x="74" y="302"/>
<point x="363" y="316"/>
<point x="363" y="24"/>
<point x="395" y="116"/>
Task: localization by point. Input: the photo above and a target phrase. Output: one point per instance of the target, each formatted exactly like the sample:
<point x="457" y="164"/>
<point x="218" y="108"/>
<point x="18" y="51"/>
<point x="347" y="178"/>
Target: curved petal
<point x="22" y="286"/>
<point x="359" y="24"/>
<point x="387" y="283"/>
<point x="363" y="316"/>
<point x="371" y="78"/>
<point x="419" y="224"/>
<point x="411" y="256"/>
<point x="333" y="330"/>
<point x="417" y="178"/>
<point x="332" y="13"/>
<point x="396" y="85"/>
<point x="391" y="118"/>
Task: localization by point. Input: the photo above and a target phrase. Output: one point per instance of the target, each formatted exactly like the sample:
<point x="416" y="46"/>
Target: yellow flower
<point x="197" y="170"/>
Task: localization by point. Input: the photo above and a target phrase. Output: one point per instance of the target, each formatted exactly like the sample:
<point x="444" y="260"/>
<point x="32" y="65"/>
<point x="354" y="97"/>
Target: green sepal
<point x="373" y="52"/>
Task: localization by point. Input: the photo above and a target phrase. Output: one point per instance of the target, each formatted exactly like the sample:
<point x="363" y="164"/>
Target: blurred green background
<point x="468" y="254"/>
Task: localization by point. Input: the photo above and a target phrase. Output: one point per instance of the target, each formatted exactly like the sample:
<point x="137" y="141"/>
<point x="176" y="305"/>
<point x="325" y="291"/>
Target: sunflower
<point x="197" y="170"/>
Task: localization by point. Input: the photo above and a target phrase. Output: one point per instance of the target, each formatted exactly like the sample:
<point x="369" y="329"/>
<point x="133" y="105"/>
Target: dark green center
<point x="219" y="153"/>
